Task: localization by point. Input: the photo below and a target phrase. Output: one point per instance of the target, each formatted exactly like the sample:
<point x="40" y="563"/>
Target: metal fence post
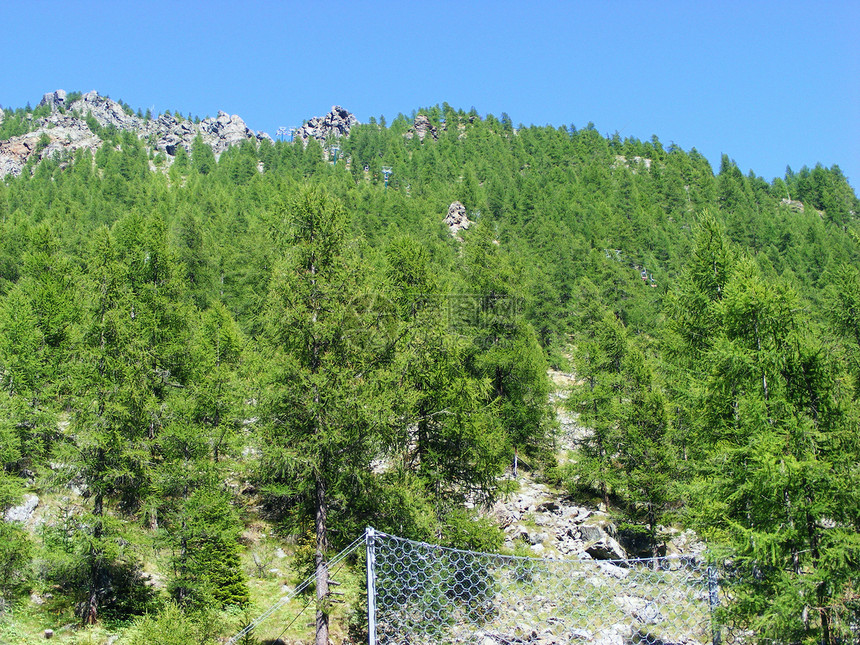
<point x="714" y="601"/>
<point x="370" y="536"/>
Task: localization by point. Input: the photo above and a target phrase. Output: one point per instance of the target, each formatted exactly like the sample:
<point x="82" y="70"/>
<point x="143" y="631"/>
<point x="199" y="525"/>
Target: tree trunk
<point x="90" y="613"/>
<point x="321" y="562"/>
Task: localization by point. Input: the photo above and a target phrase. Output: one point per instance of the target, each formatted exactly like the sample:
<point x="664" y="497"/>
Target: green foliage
<point x="93" y="124"/>
<point x="505" y="349"/>
<point x="181" y="321"/>
<point x="202" y="156"/>
<point x="449" y="435"/>
<point x="775" y="448"/>
<point x="44" y="142"/>
<point x="87" y="558"/>
<point x="463" y="530"/>
<point x="15" y="554"/>
<point x="206" y="554"/>
<point x="173" y="626"/>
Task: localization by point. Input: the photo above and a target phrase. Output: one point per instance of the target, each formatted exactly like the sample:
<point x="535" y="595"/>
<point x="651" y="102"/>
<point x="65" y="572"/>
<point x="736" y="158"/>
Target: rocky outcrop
<point x="422" y="127"/>
<point x="539" y="519"/>
<point x="108" y="113"/>
<point x="56" y="99"/>
<point x="336" y="123"/>
<point x="549" y="525"/>
<point x="169" y="130"/>
<point x="225" y="130"/>
<point x="58" y="138"/>
<point x="622" y="161"/>
<point x="456" y="219"/>
<point x="793" y="204"/>
<point x="219" y="133"/>
<point x="24" y="511"/>
<point x="66" y="130"/>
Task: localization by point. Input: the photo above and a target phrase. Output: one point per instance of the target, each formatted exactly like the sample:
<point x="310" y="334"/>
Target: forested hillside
<point x="191" y="344"/>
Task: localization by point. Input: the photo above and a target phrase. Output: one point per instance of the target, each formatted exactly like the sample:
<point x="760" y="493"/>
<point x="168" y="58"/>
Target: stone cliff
<point x="66" y="130"/>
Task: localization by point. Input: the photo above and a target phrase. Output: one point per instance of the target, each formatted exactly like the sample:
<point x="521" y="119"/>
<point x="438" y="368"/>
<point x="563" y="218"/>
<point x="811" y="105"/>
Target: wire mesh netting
<point x="426" y="594"/>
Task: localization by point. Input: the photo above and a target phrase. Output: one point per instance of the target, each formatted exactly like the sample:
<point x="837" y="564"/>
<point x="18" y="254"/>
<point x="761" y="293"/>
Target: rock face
<point x="63" y="135"/>
<point x="336" y="123"/>
<point x="55" y="99"/>
<point x="219" y="133"/>
<point x="24" y="511"/>
<point x="549" y="525"/>
<point x="422" y="127"/>
<point x="456" y="219"/>
<point x="68" y="132"/>
<point x="794" y="205"/>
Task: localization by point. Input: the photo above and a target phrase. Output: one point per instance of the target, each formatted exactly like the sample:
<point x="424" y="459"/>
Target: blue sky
<point x="768" y="83"/>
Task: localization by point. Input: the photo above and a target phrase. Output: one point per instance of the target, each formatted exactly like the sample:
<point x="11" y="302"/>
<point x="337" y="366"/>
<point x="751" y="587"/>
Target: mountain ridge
<point x="73" y="124"/>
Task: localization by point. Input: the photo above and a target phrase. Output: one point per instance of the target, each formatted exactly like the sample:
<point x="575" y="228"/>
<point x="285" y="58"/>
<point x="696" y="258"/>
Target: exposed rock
<point x="64" y="134"/>
<point x="13" y="155"/>
<point x="336" y="123"/>
<point x="24" y="511"/>
<point x="642" y="610"/>
<point x="606" y="548"/>
<point x="612" y="570"/>
<point x="421" y="127"/>
<point x="793" y="204"/>
<point x="69" y="132"/>
<point x="591" y="533"/>
<point x="537" y="538"/>
<point x="614" y="635"/>
<point x="621" y="160"/>
<point x="224" y="131"/>
<point x="685" y="543"/>
<point x="108" y="113"/>
<point x="456" y="219"/>
<point x="56" y="99"/>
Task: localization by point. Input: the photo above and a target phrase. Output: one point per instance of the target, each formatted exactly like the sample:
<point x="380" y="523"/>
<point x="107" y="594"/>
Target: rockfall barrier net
<point x="425" y="594"/>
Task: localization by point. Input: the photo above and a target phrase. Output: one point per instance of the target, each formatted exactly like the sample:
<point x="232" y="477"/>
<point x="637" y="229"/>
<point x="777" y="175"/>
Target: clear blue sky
<point x="768" y="83"/>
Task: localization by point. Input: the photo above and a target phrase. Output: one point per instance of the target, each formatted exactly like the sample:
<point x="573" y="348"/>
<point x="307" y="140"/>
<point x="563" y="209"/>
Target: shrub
<point x="172" y="626"/>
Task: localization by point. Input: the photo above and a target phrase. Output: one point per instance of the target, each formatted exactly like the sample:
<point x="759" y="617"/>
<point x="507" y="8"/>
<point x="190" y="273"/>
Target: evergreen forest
<point x="197" y="347"/>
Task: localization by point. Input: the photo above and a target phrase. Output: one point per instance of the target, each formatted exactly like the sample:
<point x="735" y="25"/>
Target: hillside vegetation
<point x="193" y="347"/>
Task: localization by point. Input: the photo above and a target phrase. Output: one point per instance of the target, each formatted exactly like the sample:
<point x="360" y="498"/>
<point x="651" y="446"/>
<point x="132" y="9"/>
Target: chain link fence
<point x="421" y="594"/>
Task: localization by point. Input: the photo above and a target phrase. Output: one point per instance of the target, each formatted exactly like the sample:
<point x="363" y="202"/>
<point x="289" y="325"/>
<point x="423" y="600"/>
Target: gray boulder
<point x="456" y="219"/>
<point x="23" y="511"/>
<point x="422" y="127"/>
<point x="55" y="99"/>
<point x="336" y="123"/>
<point x="606" y="548"/>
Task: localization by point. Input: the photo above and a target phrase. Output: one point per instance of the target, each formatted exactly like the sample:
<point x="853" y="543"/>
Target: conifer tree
<point x="776" y="448"/>
<point x="109" y="451"/>
<point x="448" y="432"/>
<point x="327" y="399"/>
<point x="504" y="347"/>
